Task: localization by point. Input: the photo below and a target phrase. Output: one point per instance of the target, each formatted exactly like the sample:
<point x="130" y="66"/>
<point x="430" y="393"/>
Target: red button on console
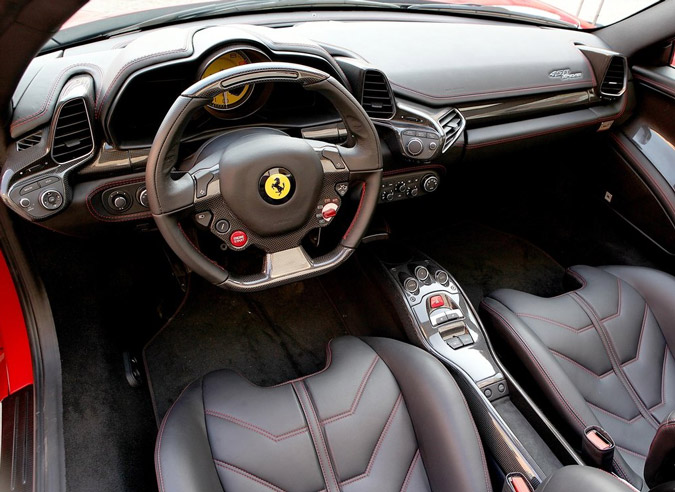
<point x="238" y="239"/>
<point x="436" y="302"/>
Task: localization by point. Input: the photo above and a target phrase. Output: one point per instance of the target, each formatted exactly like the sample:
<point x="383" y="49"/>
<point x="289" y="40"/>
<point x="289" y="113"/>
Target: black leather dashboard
<point x="457" y="89"/>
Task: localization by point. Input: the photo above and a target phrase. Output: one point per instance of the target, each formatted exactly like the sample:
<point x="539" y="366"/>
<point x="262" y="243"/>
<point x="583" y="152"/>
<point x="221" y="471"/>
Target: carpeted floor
<point x="269" y="337"/>
<point x="483" y="259"/>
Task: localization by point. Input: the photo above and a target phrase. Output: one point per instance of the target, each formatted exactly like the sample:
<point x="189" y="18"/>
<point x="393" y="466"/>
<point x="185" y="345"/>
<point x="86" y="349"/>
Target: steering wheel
<point x="260" y="186"/>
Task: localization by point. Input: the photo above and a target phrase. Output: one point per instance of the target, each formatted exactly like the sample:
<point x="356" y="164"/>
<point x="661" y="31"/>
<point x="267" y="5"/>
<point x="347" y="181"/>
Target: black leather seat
<point x="602" y="354"/>
<point x="382" y="415"/>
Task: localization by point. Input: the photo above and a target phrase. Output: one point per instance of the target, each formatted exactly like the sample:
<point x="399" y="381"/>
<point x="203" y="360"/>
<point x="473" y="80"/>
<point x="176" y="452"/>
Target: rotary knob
<point x="414" y="146"/>
<point x="430" y="183"/>
<point x="387" y="196"/>
<point x="51" y="199"/>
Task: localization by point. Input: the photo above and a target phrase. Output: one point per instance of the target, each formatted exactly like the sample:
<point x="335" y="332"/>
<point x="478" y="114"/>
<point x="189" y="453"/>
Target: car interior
<point x="337" y="246"/>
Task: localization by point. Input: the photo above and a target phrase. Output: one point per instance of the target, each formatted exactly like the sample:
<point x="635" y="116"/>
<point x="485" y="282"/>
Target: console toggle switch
<point x="436" y="302"/>
<point x="329" y="211"/>
<point x="466" y="339"/>
<point x="439" y="316"/>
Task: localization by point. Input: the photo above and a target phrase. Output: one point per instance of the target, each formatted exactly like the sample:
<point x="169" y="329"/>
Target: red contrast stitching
<point x="45" y="105"/>
<point x="378" y="446"/>
<point x="248" y="475"/>
<point x="123" y="218"/>
<point x="572" y="361"/>
<point x="321" y="437"/>
<point x="358" y="211"/>
<point x="648" y="81"/>
<point x="611" y="414"/>
<point x="357" y="397"/>
<point x="553" y="322"/>
<point x="408" y="475"/>
<point x="552" y="130"/>
<point x="132" y="62"/>
<point x="255" y="428"/>
<point x="558" y="393"/>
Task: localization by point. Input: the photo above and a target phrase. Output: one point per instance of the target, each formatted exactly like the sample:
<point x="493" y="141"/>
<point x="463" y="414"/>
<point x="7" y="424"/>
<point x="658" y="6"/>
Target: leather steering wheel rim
<point x="171" y="199"/>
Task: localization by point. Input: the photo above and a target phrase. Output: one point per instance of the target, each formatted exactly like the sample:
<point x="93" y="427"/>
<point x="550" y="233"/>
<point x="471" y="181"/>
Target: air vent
<point x="29" y="141"/>
<point x="376" y="97"/>
<point x="453" y="124"/>
<point x="614" y="82"/>
<point x="73" y="137"/>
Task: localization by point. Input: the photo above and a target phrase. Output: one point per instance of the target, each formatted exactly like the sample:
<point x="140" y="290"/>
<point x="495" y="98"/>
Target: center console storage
<point x="438" y="316"/>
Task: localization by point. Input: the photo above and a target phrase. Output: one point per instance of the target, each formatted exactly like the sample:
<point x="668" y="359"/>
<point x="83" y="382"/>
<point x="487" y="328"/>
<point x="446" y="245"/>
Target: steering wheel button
<point x="334" y="156"/>
<point x="203" y="218"/>
<point x="203" y="185"/>
<point x="222" y="226"/>
<point x="342" y="188"/>
<point x="238" y="239"/>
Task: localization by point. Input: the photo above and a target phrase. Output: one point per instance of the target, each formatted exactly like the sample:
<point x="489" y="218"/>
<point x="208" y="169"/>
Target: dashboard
<point x="441" y="91"/>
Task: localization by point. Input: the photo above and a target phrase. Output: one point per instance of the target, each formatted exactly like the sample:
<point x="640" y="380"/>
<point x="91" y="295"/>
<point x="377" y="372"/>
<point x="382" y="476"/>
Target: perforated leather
<point x="350" y="427"/>
<point x="600" y="353"/>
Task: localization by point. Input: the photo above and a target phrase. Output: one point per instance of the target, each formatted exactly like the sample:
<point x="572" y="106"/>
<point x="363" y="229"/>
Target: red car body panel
<point x="533" y="4"/>
<point x="16" y="368"/>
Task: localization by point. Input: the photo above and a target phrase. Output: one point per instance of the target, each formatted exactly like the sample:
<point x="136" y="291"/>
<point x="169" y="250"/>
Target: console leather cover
<point x="382" y="415"/>
<point x="602" y="354"/>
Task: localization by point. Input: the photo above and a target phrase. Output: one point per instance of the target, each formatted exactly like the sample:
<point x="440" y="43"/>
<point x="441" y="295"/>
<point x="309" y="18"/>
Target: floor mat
<point x="483" y="259"/>
<point x="269" y="337"/>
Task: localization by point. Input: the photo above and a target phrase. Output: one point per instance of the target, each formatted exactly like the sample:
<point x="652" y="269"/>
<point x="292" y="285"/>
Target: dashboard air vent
<point x="73" y="138"/>
<point x="376" y="96"/>
<point x="29" y="141"/>
<point x="453" y="124"/>
<point x="614" y="82"/>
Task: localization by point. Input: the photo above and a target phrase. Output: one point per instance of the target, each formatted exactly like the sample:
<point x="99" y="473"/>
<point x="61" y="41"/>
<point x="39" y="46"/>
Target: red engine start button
<point x="238" y="239"/>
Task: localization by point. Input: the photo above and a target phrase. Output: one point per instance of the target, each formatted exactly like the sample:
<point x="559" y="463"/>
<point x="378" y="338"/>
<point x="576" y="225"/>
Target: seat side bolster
<point x="546" y="370"/>
<point x="183" y="433"/>
<point x="549" y="375"/>
<point x="658" y="289"/>
<point x="447" y="437"/>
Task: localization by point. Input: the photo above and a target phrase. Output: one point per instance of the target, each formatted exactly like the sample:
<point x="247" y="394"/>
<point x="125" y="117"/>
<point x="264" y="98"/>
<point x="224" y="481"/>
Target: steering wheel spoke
<point x="261" y="187"/>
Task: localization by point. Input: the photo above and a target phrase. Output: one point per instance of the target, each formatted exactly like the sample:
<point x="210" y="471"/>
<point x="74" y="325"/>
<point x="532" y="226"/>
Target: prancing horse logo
<point x="277" y="187"/>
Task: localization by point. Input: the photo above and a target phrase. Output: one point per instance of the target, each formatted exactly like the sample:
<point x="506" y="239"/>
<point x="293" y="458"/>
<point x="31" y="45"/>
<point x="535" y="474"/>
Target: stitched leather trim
<point x="357" y="397"/>
<point x="553" y="322"/>
<point x="411" y="468"/>
<point x="378" y="446"/>
<point x="612" y="354"/>
<point x="248" y="475"/>
<point x="584" y="368"/>
<point x="318" y="438"/>
<point x="255" y="428"/>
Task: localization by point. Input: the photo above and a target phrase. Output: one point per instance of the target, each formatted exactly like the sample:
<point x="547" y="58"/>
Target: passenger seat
<point x="603" y="356"/>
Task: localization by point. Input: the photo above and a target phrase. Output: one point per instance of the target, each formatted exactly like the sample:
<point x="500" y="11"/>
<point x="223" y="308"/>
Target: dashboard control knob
<point x="422" y="273"/>
<point x="430" y="183"/>
<point x="51" y="199"/>
<point x="24" y="202"/>
<point x="411" y="285"/>
<point x="143" y="196"/>
<point x="412" y="192"/>
<point x="387" y="196"/>
<point x="120" y="202"/>
<point x="414" y="146"/>
<point x="401" y="187"/>
<point x="433" y="146"/>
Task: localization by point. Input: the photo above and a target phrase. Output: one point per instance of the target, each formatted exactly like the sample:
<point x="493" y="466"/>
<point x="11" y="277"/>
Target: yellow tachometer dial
<point x="235" y="97"/>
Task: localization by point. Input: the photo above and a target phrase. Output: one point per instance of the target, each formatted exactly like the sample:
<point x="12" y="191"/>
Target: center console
<point x="438" y="316"/>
